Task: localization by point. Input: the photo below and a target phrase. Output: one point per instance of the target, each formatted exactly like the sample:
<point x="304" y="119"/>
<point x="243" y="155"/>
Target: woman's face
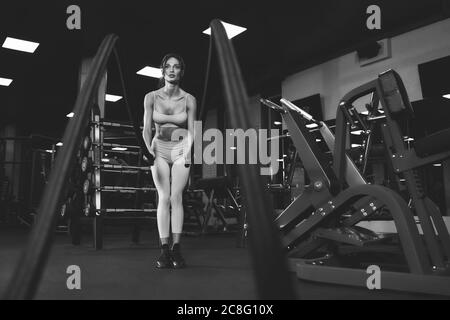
<point x="172" y="70"/>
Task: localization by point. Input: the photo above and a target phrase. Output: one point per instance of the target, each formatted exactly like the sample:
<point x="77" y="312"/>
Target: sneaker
<point x="177" y="260"/>
<point x="164" y="260"/>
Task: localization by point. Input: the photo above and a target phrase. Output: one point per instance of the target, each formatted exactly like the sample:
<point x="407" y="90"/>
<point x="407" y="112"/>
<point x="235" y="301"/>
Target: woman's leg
<point x="180" y="176"/>
<point x="161" y="177"/>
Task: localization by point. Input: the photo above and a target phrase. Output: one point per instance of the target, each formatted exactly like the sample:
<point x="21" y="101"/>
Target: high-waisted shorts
<point x="170" y="151"/>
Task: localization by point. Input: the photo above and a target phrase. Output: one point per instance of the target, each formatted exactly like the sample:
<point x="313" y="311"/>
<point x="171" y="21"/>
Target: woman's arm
<point x="148" y="121"/>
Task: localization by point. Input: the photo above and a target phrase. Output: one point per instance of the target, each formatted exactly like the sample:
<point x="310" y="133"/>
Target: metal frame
<point x="428" y="260"/>
<point x="405" y="162"/>
<point x="318" y="194"/>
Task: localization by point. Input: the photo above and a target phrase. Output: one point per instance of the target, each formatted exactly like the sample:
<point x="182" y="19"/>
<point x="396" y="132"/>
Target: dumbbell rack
<point x="93" y="168"/>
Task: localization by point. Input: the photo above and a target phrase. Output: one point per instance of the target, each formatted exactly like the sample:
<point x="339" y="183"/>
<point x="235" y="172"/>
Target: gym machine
<point x="320" y="227"/>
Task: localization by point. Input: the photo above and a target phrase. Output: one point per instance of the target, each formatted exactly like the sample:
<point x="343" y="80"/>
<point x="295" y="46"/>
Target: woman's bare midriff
<point x="169" y="132"/>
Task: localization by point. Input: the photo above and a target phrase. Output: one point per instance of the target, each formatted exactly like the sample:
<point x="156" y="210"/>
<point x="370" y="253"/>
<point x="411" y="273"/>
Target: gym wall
<point x="336" y="77"/>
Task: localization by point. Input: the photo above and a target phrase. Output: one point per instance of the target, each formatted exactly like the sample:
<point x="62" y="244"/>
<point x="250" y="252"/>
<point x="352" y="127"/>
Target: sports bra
<point x="179" y="119"/>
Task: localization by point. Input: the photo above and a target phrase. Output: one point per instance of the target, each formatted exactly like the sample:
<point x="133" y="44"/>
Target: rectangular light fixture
<point x="20" y="45"/>
<point x="356" y="145"/>
<point x="5" y="82"/>
<point x="357" y="132"/>
<point x="112" y="98"/>
<point x="59" y="144"/>
<point x="277" y="123"/>
<point x="437" y="165"/>
<point x="318" y="140"/>
<point x="233" y="148"/>
<point x="150" y="72"/>
<point x="446" y="96"/>
<point x="231" y="30"/>
<point x="70" y="115"/>
<point x="119" y="149"/>
<point x="312" y="125"/>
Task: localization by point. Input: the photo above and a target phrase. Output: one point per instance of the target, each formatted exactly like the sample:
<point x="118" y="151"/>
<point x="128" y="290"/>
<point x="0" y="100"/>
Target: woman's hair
<point x="163" y="63"/>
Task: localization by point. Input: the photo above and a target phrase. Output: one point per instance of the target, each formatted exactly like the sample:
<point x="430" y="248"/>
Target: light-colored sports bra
<point x="179" y="119"/>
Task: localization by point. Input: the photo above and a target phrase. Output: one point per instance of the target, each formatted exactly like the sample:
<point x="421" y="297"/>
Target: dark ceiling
<point x="283" y="37"/>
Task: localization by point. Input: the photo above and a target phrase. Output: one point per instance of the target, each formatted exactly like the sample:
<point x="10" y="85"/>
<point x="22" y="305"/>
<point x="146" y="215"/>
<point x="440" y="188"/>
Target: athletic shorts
<point x="170" y="151"/>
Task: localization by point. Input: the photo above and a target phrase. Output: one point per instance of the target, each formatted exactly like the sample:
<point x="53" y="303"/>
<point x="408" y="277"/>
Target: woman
<point x="172" y="110"/>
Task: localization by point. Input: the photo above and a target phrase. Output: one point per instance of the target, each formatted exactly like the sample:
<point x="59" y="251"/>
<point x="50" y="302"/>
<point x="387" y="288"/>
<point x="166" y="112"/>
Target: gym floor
<point x="217" y="270"/>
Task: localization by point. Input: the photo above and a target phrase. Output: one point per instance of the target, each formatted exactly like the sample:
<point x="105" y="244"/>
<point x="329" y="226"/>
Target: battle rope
<point x="202" y="113"/>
